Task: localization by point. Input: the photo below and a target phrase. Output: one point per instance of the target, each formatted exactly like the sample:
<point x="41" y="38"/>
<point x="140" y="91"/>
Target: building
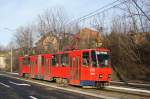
<point x="2" y="62"/>
<point x="87" y="38"/>
<point x="140" y="38"/>
<point x="48" y="41"/>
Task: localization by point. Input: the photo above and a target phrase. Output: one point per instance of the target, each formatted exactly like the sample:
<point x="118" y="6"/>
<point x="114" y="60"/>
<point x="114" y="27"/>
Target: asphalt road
<point x="17" y="89"/>
<point x="12" y="86"/>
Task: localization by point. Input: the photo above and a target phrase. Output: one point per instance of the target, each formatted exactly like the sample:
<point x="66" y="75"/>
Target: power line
<point x="98" y="9"/>
<point x="140" y="9"/>
<point x="104" y="8"/>
<point x="94" y="11"/>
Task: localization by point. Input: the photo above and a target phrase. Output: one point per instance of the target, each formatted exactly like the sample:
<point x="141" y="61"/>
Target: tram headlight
<point x="100" y="75"/>
<point x="109" y="75"/>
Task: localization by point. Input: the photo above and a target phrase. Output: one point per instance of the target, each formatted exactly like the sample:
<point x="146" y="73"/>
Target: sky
<point x="16" y="13"/>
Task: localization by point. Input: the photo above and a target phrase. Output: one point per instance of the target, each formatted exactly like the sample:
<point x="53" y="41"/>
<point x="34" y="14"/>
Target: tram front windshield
<point x="100" y="59"/>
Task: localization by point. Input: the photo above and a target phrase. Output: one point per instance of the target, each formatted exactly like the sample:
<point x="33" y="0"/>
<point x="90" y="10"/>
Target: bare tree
<point x="24" y="37"/>
<point x="138" y="14"/>
<point x="52" y="21"/>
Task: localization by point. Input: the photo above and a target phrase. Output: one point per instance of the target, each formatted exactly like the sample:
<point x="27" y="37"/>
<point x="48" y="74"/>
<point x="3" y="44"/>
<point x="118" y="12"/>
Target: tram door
<point x="47" y="67"/>
<point x="33" y="61"/>
<point x="39" y="65"/>
<point x="32" y="69"/>
<point x="20" y="66"/>
<point x="74" y="72"/>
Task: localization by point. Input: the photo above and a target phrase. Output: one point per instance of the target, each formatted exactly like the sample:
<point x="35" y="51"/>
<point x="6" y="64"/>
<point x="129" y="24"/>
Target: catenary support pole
<point x="11" y="60"/>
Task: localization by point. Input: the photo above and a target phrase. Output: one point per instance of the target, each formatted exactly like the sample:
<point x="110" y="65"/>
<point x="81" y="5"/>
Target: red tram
<point x="88" y="67"/>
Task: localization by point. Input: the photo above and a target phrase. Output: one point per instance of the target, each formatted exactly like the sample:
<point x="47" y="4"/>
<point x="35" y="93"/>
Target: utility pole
<point x="11" y="61"/>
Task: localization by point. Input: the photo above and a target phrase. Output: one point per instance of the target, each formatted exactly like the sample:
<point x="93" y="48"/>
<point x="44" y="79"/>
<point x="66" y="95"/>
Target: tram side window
<point x="55" y="59"/>
<point x="85" y="59"/>
<point x="64" y="60"/>
<point x="94" y="60"/>
<point x="26" y="61"/>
